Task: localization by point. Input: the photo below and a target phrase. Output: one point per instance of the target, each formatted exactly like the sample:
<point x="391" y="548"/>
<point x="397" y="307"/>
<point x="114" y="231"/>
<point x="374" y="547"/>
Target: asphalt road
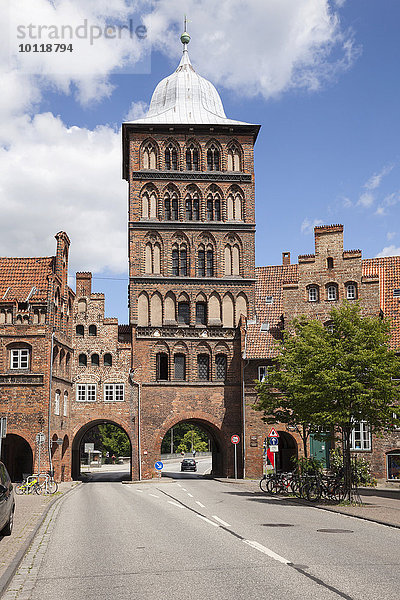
<point x="197" y="538"/>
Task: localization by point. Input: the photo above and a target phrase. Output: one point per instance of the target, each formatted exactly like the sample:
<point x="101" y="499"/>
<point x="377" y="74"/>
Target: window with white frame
<point x="19" y="358"/>
<point x="57" y="403"/>
<point x="360" y="438"/>
<point x="396" y="425"/>
<point x="86" y="392"/>
<point x="351" y="291"/>
<point x="313" y="294"/>
<point x="65" y="406"/>
<point x="331" y="292"/>
<point x="262" y="373"/>
<point x="113" y="392"/>
<point x="393" y="465"/>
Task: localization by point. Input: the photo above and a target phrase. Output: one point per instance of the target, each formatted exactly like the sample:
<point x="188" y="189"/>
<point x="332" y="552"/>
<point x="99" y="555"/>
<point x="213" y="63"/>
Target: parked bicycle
<point x="30" y="485"/>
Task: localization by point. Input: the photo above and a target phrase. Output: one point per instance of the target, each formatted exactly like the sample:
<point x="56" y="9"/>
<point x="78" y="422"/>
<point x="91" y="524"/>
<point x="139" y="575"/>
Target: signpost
<point x="159" y="467"/>
<point x="40" y="439"/>
<point x="273" y="445"/>
<point x="89" y="448"/>
<point x="235" y="439"/>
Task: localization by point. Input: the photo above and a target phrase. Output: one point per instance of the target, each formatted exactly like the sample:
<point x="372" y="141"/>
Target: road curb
<point x="362" y="518"/>
<point x="9" y="573"/>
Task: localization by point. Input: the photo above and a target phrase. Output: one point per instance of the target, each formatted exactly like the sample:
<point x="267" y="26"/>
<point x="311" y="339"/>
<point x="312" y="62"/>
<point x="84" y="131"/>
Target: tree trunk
<point x="305" y="436"/>
<point x="347" y="463"/>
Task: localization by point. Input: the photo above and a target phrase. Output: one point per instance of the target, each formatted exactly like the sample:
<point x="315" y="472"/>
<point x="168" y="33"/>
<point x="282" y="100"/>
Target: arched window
<point x="331" y="292"/>
<point x="174" y="209"/>
<point x="107" y="359"/>
<point x="82" y="360"/>
<point x="179" y="261"/>
<point x="149" y="156"/>
<point x="213" y="205"/>
<point x="183" y="313"/>
<point x="57" y="402"/>
<point x="65" y="404"/>
<point x="205" y="262"/>
<point x="171" y="158"/>
<point x="82" y="306"/>
<point x="92" y="330"/>
<point x="189" y="209"/>
<point x="152" y="259"/>
<point x="162" y="366"/>
<point x="179" y="367"/>
<point x="95" y="360"/>
<point x="329" y="262"/>
<point x="201" y="313"/>
<point x="240" y="308"/>
<point x="145" y="206"/>
<point x="210" y="209"/>
<point x="234" y="158"/>
<point x="213" y="158"/>
<point x="220" y="367"/>
<point x="192" y="158"/>
<point x="351" y="291"/>
<point x="203" y="367"/>
<point x="80" y="331"/>
<point x="313" y="295"/>
<point x="143" y="310"/>
<point x="19" y="358"/>
<point x="167" y="208"/>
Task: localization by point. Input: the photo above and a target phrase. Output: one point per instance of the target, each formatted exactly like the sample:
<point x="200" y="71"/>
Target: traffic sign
<point x="273" y="449"/>
<point x="235" y="439"/>
<point x="40" y="438"/>
<point x="159" y="465"/>
<point x="89" y="447"/>
<point x="273" y="441"/>
<point x="273" y="433"/>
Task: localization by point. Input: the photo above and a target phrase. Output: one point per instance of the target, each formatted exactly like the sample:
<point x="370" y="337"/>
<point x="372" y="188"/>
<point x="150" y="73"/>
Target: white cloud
<point x="308" y="225"/>
<point x="366" y="199"/>
<point x="52" y="178"/>
<point x="390" y="235"/>
<point x="389" y="251"/>
<point x="389" y="201"/>
<point x="257" y="47"/>
<point x="375" y="181"/>
<point x="137" y="110"/>
<point x="346" y="202"/>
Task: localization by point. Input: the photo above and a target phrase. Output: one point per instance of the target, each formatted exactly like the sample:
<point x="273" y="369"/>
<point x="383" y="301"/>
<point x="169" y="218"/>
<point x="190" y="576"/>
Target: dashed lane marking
<point x="200" y="504"/>
<point x="191" y="495"/>
<point x="267" y="551"/>
<point x="224" y="523"/>
<point x="140" y="491"/>
<point x="184" y="489"/>
<point x="154" y="495"/>
<point x="208" y="521"/>
<point x="176" y="504"/>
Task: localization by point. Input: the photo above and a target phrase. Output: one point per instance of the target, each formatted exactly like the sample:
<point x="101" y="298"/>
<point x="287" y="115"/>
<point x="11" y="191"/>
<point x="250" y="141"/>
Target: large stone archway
<point x="77" y="441"/>
<point x="17" y="455"/>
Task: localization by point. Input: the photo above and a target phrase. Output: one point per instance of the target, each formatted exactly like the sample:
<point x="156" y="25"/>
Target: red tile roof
<point x="262" y="344"/>
<point x="270" y="280"/>
<point x="19" y="275"/>
<point x="388" y="270"/>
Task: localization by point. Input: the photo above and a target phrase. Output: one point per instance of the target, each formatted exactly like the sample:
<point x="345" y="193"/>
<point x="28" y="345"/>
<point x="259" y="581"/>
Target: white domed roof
<point x="186" y="97"/>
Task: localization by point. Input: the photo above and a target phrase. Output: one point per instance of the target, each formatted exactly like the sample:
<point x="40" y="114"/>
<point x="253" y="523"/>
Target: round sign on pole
<point x="235" y="439"/>
<point x="158" y="465"/>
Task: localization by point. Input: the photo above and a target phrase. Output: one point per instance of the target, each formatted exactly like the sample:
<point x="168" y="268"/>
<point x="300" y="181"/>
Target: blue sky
<point x="325" y="92"/>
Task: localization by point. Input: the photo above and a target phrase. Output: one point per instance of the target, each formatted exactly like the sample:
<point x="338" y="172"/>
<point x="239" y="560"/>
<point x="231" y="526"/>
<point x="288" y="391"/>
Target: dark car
<point x="7" y="502"/>
<point x="188" y="464"/>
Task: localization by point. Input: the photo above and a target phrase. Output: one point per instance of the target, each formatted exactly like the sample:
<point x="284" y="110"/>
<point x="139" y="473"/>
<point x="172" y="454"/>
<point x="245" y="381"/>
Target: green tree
<point x="179" y="432"/>
<point x="330" y="377"/>
<point x="114" y="440"/>
<point x="192" y="441"/>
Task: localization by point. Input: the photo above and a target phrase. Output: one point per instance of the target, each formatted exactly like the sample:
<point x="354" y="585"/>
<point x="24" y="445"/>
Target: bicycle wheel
<point x="52" y="487"/>
<point x="313" y="492"/>
<point x="37" y="488"/>
<point x="339" y="493"/>
<point x="271" y="486"/>
<point x="263" y="484"/>
<point x="20" y="489"/>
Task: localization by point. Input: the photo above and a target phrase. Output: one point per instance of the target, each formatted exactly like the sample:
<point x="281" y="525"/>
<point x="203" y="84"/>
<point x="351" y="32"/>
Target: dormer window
<point x="329" y="262"/>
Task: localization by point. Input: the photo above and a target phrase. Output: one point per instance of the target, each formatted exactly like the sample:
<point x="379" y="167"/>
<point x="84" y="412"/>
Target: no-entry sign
<point x="235" y="439"/>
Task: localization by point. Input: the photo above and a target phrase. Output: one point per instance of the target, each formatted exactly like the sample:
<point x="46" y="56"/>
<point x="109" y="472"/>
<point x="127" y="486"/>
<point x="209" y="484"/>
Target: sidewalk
<point x="380" y="504"/>
<point x="30" y="511"/>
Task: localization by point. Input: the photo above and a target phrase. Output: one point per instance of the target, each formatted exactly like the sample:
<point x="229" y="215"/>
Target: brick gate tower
<point x="191" y="261"/>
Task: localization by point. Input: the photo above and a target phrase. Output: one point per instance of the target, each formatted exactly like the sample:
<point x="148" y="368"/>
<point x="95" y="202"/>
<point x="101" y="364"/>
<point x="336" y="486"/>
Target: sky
<point x="320" y="76"/>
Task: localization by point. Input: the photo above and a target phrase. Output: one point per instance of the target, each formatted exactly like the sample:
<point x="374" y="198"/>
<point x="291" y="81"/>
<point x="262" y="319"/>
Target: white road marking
<point x="154" y="495"/>
<point x="179" y="485"/>
<point x="175" y="504"/>
<point x="200" y="504"/>
<point x="184" y="489"/>
<point x="140" y="491"/>
<point x="267" y="551"/>
<point x="208" y="520"/>
<point x="191" y="495"/>
<point x="221" y="521"/>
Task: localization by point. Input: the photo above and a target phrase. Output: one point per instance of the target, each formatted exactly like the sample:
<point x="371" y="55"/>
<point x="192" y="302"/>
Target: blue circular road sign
<point x="159" y="465"/>
<point x="273" y="441"/>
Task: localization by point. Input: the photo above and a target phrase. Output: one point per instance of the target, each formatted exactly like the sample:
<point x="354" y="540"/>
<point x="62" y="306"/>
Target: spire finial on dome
<point x="185" y="37"/>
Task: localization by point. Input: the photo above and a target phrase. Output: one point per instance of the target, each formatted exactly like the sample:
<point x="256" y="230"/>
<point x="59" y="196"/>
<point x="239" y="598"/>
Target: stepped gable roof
<point x="184" y="97"/>
<point x="18" y="277"/>
<point x="388" y="270"/>
<point x="269" y="282"/>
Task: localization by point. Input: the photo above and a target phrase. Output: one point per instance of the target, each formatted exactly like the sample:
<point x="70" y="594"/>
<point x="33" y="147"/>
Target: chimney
<point x="285" y="258"/>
